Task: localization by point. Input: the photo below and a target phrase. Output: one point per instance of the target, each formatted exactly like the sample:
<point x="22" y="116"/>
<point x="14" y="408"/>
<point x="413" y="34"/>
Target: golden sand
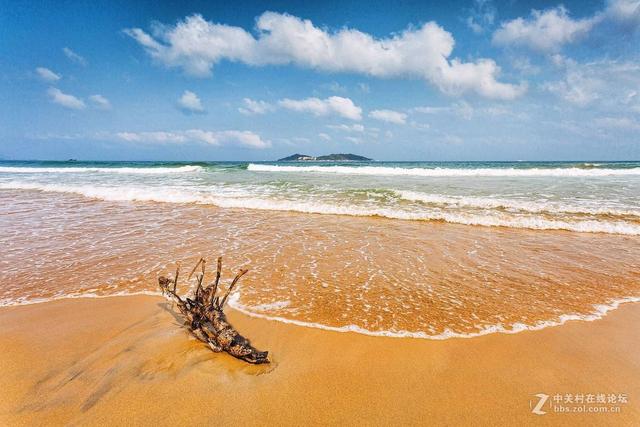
<point x="127" y="360"/>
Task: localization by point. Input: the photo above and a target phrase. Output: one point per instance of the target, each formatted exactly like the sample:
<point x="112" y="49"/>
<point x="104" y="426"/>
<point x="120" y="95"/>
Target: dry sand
<point x="127" y="360"/>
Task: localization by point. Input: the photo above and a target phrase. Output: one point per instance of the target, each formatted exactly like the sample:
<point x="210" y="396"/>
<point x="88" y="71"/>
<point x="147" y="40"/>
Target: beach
<point x="128" y="360"/>
<point x="335" y="214"/>
<point x="381" y="299"/>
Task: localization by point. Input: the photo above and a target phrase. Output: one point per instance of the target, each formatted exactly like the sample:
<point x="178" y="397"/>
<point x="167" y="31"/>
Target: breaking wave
<point x="246" y="200"/>
<point x="447" y="172"/>
<point x="122" y="170"/>
<point x="528" y="206"/>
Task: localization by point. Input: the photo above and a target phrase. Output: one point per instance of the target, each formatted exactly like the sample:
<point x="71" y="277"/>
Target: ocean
<point x="423" y="249"/>
<point x="601" y="197"/>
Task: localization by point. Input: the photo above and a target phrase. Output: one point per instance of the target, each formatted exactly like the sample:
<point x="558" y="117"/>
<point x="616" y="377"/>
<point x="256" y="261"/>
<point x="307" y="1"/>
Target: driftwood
<point x="207" y="321"/>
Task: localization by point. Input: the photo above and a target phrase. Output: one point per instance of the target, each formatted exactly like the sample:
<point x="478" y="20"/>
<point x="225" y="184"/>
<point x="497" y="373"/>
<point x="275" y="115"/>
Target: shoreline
<point x="600" y="311"/>
<point x="110" y="358"/>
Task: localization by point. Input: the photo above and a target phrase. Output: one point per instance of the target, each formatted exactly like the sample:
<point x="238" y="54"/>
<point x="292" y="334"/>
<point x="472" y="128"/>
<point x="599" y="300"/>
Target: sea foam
<point x="599" y="311"/>
<point x="529" y="206"/>
<point x="120" y="170"/>
<point x="247" y="201"/>
<point x="446" y="172"/>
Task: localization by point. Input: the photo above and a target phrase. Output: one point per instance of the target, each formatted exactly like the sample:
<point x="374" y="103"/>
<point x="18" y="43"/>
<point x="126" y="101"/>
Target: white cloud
<point x="461" y="109"/>
<point x="190" y="103"/>
<point x="420" y="126"/>
<point x="466" y="111"/>
<point x="74" y="57"/>
<point x="100" y="102"/>
<point x="610" y="83"/>
<point x="389" y="116"/>
<point x="338" y="105"/>
<point x="547" y="31"/>
<point x="324" y="136"/>
<point x="356" y="127"/>
<point x="624" y="12"/>
<point x="364" y="88"/>
<point x="544" y="31"/>
<point x="576" y="88"/>
<point x="64" y="99"/>
<point x="196" y="45"/>
<point x="353" y="139"/>
<point x="216" y="138"/>
<point x="335" y="87"/>
<point x="252" y="106"/>
<point x="47" y="75"/>
<point x="430" y="110"/>
<point x="618" y="123"/>
<point x="481" y="16"/>
<point x="524" y="65"/>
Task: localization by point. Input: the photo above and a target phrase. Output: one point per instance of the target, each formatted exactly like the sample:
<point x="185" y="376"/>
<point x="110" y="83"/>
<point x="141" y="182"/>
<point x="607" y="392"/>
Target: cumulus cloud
<point x="544" y="31"/>
<point x="548" y="31"/>
<point x="47" y="75"/>
<point x="216" y="138"/>
<point x="100" y="102"/>
<point x="196" y="45"/>
<point x="336" y="105"/>
<point x="74" y="57"/>
<point x="190" y="103"/>
<point x="389" y="116"/>
<point x="251" y="106"/>
<point x="64" y="99"/>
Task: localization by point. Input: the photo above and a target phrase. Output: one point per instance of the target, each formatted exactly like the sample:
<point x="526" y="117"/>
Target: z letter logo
<point x="538" y="408"/>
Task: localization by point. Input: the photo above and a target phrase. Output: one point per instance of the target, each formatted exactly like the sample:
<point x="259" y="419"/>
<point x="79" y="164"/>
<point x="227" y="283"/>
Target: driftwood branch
<point x="207" y="321"/>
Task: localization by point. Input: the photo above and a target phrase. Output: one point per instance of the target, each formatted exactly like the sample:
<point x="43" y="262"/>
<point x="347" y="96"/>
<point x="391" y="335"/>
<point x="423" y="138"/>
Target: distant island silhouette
<point x="341" y="157"/>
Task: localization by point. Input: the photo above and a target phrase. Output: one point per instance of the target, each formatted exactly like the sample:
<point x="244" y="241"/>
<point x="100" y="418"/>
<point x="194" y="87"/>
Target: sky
<point x="402" y="80"/>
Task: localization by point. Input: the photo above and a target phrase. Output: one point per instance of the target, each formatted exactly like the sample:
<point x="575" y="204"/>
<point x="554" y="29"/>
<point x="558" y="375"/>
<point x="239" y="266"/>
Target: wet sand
<point x="127" y="360"/>
<point x="380" y="275"/>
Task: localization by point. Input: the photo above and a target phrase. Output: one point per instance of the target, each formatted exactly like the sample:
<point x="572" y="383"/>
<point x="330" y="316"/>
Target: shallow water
<point x="63" y="236"/>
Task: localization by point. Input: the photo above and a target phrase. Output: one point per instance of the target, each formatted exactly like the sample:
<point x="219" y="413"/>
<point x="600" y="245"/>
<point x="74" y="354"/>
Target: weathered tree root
<point x="206" y="317"/>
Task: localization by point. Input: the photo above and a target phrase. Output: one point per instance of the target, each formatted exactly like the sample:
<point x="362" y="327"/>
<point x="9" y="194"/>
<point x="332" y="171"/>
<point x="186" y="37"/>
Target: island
<point x="341" y="157"/>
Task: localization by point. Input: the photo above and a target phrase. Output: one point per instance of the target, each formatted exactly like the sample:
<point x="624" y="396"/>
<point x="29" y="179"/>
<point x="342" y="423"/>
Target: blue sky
<point x="465" y="80"/>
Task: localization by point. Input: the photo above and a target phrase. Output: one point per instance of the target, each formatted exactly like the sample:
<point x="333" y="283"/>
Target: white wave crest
<point x="447" y="172"/>
<point x="248" y="201"/>
<point x="121" y="170"/>
<point x="529" y="206"/>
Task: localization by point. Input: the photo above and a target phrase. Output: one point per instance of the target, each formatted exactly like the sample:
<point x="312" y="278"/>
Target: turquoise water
<point x="601" y="197"/>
